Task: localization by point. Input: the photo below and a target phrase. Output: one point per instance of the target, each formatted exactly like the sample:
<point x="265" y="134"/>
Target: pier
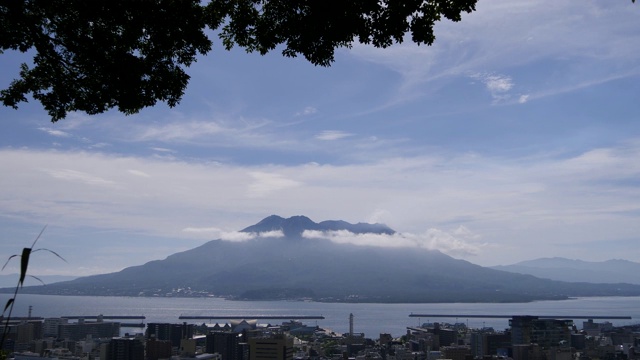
<point x="105" y="317"/>
<point x="256" y="317"/>
<point x="477" y="316"/>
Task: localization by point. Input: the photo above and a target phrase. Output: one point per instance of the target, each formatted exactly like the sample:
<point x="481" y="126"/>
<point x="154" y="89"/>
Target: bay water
<point x="369" y="318"/>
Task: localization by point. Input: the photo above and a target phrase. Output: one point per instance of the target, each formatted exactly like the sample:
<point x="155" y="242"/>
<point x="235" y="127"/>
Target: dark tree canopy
<point x="91" y="56"/>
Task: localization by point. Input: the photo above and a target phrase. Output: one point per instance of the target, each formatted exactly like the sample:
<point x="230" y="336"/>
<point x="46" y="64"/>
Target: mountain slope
<point x="12" y="279"/>
<point x="610" y="271"/>
<point x="268" y="268"/>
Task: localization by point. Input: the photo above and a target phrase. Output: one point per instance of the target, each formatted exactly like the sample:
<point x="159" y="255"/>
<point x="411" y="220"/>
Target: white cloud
<point x="580" y="44"/>
<point x="497" y="85"/>
<point x="433" y="239"/>
<point x="378" y="216"/>
<point x="99" y="145"/>
<point x="181" y="131"/>
<point x="236" y="236"/>
<point x="139" y="173"/>
<point x="309" y="110"/>
<point x="528" y="203"/>
<point x="159" y="149"/>
<point x="52" y="132"/>
<point x="329" y="135"/>
<point x="523" y="99"/>
<point x="199" y="230"/>
<point x="267" y="183"/>
<point x="79" y="176"/>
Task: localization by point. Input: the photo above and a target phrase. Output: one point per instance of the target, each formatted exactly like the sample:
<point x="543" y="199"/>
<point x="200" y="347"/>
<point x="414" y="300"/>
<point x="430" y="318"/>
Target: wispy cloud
<point x="329" y="135"/>
<point x="79" y="176"/>
<point x="246" y="236"/>
<point x="577" y="43"/>
<point x="200" y="230"/>
<point x="139" y="173"/>
<point x="266" y="183"/>
<point x="233" y="236"/>
<point x="452" y="243"/>
<point x="497" y="85"/>
<point x="53" y="132"/>
<point x="509" y="202"/>
<point x="309" y="110"/>
<point x="165" y="150"/>
<point x="181" y="131"/>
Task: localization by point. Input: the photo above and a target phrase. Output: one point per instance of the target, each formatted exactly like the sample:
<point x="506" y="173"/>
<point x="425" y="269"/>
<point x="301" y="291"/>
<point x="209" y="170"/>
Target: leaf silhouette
<point x="53" y="252"/>
<point x="37" y="278"/>
<point x="7" y="262"/>
<point x="24" y="264"/>
<point x="9" y="302"/>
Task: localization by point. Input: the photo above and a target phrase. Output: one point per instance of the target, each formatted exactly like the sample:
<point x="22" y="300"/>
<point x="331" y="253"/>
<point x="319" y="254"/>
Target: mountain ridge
<point x="294" y="226"/>
<point x="278" y="268"/>
<point x="575" y="270"/>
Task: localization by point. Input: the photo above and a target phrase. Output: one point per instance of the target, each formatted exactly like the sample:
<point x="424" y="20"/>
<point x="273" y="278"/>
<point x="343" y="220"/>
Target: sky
<point x="515" y="136"/>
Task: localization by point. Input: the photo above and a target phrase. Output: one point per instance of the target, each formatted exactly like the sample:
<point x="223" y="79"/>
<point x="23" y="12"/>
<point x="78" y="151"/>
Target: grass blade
<point x="24" y="264"/>
<point x="9" y="302"/>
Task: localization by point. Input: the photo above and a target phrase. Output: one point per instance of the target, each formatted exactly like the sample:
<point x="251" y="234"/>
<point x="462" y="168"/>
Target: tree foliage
<point x="91" y="56"/>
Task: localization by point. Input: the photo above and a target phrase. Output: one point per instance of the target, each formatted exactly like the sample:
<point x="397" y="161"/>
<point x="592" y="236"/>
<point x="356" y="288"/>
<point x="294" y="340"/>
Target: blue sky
<point x="516" y="136"/>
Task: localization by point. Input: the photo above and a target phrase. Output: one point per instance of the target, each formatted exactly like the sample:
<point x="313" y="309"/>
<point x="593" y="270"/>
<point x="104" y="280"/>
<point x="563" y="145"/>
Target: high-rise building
<point x="80" y="330"/>
<point x="456" y="352"/>
<point x="158" y="349"/>
<point x="544" y="332"/>
<point x="227" y="344"/>
<point x="125" y="349"/>
<point x="277" y="347"/>
<point x="50" y="326"/>
<point x="167" y="331"/>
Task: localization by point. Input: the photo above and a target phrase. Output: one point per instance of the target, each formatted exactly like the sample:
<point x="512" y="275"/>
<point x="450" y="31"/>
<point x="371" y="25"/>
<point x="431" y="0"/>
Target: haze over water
<point x="371" y="319"/>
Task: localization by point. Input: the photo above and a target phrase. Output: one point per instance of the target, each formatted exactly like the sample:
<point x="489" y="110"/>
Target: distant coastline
<point x="370" y="318"/>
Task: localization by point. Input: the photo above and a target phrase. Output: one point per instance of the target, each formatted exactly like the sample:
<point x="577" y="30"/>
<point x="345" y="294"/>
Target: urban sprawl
<point x="527" y="338"/>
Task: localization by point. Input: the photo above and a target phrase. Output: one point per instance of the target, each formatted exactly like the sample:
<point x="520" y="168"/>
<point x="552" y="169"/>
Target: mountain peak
<point x="294" y="226"/>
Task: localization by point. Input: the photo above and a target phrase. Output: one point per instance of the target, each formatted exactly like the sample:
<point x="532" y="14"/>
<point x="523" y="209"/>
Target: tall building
<point x="167" y="331"/>
<point x="125" y="349"/>
<point x="544" y="332"/>
<point x="28" y="331"/>
<point x="227" y="344"/>
<point x="278" y="347"/>
<point x="80" y="330"/>
<point x="528" y="352"/>
<point x="50" y="326"/>
<point x="456" y="352"/>
<point x="158" y="349"/>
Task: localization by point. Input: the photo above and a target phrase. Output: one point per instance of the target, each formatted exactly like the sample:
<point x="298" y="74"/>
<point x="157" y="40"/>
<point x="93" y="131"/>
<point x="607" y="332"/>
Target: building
<point x="80" y="330"/>
<point x="28" y="331"/>
<point x="456" y="352"/>
<point x="158" y="349"/>
<point x="51" y="325"/>
<point x="277" y="347"/>
<point x="545" y="332"/>
<point x="592" y="328"/>
<point x="227" y="344"/>
<point x="528" y="352"/>
<point x="125" y="349"/>
<point x="172" y="332"/>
